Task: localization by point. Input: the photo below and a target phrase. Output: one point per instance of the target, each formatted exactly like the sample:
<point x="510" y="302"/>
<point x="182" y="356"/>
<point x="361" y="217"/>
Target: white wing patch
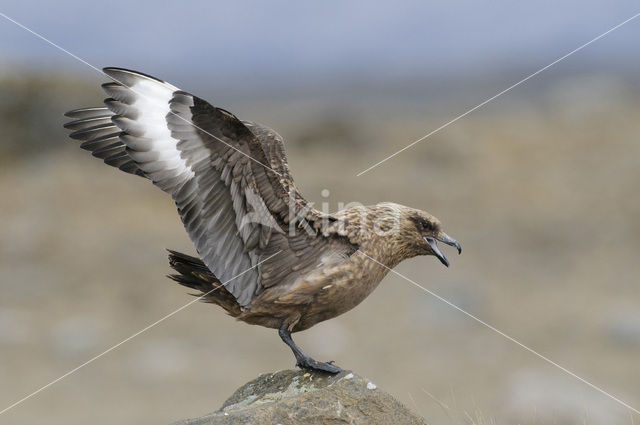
<point x="142" y="106"/>
<point x="152" y="104"/>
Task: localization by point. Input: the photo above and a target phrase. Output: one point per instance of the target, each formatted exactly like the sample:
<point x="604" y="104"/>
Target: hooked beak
<point x="444" y="238"/>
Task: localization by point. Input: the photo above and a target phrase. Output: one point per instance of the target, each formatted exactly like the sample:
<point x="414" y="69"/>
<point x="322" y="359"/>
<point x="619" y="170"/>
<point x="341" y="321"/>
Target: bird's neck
<point x="373" y="233"/>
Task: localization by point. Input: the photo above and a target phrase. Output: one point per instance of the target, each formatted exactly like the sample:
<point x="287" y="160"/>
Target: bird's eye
<point x="426" y="225"/>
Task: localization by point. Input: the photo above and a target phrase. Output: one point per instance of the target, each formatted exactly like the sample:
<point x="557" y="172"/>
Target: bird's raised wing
<point x="229" y="179"/>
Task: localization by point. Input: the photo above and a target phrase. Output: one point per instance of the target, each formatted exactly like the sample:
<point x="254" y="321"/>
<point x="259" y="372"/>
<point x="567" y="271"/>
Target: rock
<point x="305" y="397"/>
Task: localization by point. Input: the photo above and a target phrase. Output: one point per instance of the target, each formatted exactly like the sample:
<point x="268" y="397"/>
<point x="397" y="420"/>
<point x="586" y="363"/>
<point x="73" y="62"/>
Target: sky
<point x="285" y="40"/>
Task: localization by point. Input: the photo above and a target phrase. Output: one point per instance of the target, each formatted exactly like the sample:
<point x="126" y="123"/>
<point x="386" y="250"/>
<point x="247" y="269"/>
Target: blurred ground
<point x="540" y="187"/>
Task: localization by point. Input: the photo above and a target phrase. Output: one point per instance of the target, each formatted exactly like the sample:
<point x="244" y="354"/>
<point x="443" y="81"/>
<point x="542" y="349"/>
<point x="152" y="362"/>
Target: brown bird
<point x="266" y="255"/>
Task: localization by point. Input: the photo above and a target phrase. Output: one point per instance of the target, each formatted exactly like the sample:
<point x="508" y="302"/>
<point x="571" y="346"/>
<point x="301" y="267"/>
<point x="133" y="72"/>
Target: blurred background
<point x="540" y="186"/>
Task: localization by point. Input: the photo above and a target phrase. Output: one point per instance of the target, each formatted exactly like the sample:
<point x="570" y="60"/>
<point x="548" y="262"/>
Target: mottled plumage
<point x="266" y="255"/>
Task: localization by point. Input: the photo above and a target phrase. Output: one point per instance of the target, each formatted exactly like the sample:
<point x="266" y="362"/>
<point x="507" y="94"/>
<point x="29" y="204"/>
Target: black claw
<point x="309" y="363"/>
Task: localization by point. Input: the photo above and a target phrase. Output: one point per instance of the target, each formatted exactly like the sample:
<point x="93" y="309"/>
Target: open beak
<point x="446" y="239"/>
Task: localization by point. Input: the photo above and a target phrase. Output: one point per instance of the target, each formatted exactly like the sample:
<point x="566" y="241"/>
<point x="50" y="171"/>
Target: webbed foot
<point x="307" y="362"/>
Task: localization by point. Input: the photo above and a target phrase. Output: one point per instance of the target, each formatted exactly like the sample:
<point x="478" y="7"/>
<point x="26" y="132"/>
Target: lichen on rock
<point x="300" y="396"/>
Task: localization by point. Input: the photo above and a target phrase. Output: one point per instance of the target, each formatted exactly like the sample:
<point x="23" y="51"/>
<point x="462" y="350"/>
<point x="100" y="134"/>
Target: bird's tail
<point x="192" y="273"/>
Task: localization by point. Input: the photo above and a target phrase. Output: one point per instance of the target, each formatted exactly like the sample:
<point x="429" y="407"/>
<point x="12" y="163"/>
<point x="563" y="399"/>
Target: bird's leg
<point x="302" y="360"/>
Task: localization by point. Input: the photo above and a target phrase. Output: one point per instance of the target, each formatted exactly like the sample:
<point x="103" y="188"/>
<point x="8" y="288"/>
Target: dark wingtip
<point x="74" y="112"/>
<point x="113" y="71"/>
<point x="84" y="113"/>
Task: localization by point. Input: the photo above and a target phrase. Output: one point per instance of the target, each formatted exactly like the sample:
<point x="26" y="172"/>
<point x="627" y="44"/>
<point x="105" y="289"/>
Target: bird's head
<point x="418" y="233"/>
